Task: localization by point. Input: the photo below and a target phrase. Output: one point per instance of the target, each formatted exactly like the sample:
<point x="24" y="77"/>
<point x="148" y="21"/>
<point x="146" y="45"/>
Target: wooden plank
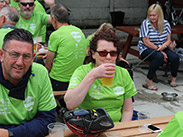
<point x="58" y="93"/>
<point x="124" y="125"/>
<point x="130" y="128"/>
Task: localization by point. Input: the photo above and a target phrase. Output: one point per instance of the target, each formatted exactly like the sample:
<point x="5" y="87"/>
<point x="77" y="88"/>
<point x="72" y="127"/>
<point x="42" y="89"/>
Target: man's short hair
<point x="10" y="13"/>
<point x="19" y="35"/>
<point x="60" y="13"/>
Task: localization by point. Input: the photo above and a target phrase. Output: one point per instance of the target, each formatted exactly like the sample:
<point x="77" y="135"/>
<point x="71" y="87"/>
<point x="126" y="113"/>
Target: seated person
<point x="9" y="17"/>
<point x="174" y="127"/>
<point x="86" y="90"/>
<point x="27" y="103"/>
<point x="155" y="34"/>
<point x="120" y="60"/>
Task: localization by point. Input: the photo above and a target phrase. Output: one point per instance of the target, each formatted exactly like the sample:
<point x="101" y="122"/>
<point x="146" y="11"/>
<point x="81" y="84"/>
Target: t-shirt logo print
<point x="29" y="103"/>
<point x="76" y="36"/>
<point x="119" y="90"/>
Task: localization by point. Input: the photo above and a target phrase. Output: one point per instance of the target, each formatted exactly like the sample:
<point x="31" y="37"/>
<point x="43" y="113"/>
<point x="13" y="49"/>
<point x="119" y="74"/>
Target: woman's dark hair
<point x="103" y="35"/>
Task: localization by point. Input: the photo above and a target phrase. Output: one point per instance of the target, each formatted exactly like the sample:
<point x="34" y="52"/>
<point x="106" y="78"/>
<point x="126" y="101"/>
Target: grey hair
<point x="11" y="14"/>
<point x="60" y="12"/>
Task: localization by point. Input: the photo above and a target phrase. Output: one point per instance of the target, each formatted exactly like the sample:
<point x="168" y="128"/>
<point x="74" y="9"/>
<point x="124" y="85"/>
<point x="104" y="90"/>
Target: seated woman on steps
<point x="155" y="34"/>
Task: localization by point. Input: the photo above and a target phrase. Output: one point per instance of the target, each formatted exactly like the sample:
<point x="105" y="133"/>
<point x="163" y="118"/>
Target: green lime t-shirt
<point x="174" y="127"/>
<point x="3" y="32"/>
<point x="89" y="38"/>
<point x="68" y="42"/>
<point x="111" y="98"/>
<point x="38" y="97"/>
<point x="33" y="24"/>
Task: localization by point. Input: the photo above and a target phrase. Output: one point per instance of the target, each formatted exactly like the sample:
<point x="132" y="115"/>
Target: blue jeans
<point x="157" y="59"/>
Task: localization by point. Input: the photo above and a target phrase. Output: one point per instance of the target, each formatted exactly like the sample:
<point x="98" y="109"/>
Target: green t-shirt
<point x="89" y="38"/>
<point x="174" y="127"/>
<point x="111" y="98"/>
<point x="69" y="44"/>
<point x="38" y="8"/>
<point x="3" y="32"/>
<point x="37" y="21"/>
<point x="38" y="97"/>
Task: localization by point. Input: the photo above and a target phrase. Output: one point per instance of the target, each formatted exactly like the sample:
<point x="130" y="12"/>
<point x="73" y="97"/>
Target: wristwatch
<point x="10" y="133"/>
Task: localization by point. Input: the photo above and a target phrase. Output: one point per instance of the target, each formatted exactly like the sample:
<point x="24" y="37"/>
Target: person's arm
<point x="4" y="132"/>
<point x="74" y="97"/>
<point x="50" y="3"/>
<point x="49" y="60"/>
<point x="127" y="110"/>
<point x="148" y="43"/>
<point x="37" y="126"/>
<point x="166" y="44"/>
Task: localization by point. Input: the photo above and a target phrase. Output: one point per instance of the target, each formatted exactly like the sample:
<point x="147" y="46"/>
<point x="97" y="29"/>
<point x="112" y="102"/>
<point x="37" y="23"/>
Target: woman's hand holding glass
<point x="105" y="70"/>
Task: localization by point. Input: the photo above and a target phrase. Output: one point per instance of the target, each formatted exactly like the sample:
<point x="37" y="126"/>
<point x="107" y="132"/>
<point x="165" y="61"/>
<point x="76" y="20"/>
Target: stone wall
<point x="87" y="13"/>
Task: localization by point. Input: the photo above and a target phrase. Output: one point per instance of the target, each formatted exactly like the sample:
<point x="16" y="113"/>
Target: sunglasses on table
<point x="27" y="3"/>
<point x="105" y="53"/>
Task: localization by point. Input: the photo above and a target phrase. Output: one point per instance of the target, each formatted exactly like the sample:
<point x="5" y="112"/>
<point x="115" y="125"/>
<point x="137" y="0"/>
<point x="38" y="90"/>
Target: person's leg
<point x="156" y="60"/>
<point x="173" y="58"/>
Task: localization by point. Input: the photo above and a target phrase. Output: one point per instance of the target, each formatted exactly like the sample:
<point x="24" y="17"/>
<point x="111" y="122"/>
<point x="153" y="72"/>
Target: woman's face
<point x="105" y="47"/>
<point x="153" y="16"/>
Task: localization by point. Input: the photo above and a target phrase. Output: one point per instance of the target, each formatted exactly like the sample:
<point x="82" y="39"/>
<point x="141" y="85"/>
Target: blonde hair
<point x="104" y="27"/>
<point x="159" y="12"/>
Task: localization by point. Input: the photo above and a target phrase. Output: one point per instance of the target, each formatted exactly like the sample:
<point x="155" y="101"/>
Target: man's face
<point x="103" y="47"/>
<point x="26" y="8"/>
<point x="4" y="3"/>
<point x="16" y="59"/>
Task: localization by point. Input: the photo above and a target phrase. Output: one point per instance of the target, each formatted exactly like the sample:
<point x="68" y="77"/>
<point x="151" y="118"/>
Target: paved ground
<point x="148" y="100"/>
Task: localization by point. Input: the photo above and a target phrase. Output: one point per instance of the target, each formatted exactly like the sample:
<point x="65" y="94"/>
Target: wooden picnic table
<point x="130" y="128"/>
<point x="134" y="31"/>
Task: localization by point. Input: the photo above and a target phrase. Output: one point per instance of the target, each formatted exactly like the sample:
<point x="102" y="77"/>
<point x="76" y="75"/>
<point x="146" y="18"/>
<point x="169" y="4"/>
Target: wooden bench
<point x="58" y="93"/>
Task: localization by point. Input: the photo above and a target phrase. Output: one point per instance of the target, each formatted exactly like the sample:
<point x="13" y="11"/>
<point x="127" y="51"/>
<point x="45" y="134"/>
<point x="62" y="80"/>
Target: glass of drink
<point x="143" y="118"/>
<point x="36" y="41"/>
<point x="107" y="81"/>
<point x="56" y="129"/>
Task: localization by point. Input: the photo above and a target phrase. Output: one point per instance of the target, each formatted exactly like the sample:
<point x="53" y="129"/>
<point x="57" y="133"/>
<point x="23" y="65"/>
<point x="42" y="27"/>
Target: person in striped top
<point x="155" y="34"/>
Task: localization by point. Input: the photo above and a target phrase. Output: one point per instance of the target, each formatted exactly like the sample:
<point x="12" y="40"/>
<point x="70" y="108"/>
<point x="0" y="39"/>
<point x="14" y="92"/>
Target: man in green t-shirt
<point x="33" y="21"/>
<point x="9" y="16"/>
<point x="66" y="49"/>
<point x="27" y="103"/>
<point x="38" y="8"/>
<point x="4" y="3"/>
<point x="86" y="89"/>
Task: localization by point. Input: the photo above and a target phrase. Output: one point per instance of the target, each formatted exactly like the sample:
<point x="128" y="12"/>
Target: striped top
<point x="147" y="30"/>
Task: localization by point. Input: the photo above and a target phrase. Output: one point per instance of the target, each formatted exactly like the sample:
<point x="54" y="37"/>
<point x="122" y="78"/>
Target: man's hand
<point x="50" y="3"/>
<point x="4" y="132"/>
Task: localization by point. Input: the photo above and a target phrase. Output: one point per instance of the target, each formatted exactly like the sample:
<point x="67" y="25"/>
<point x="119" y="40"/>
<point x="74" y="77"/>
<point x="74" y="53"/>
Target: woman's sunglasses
<point x="27" y="3"/>
<point x="105" y="53"/>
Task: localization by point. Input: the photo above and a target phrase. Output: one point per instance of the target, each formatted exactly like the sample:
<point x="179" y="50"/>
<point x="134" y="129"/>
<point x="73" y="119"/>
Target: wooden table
<point x="58" y="93"/>
<point x="134" y="31"/>
<point x="130" y="129"/>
